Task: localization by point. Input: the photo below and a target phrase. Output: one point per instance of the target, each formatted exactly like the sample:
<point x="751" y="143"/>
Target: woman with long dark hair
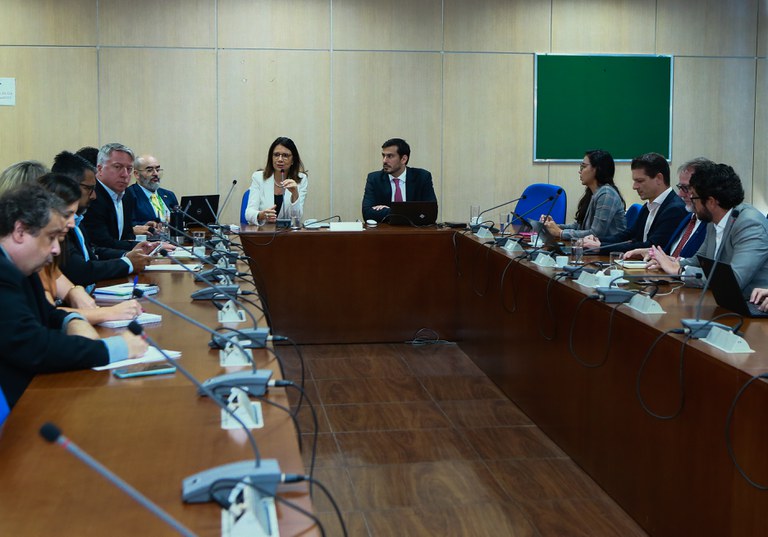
<point x="279" y="190"/>
<point x="601" y="208"/>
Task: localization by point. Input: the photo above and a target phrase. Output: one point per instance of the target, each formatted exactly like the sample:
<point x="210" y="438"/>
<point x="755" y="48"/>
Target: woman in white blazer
<point x="279" y="190"/>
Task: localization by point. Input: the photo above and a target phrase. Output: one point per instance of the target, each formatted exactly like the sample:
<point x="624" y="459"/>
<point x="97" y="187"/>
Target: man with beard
<point x="736" y="230"/>
<point x="37" y="337"/>
<point x="395" y="181"/>
<point x="153" y="204"/>
<point x="85" y="264"/>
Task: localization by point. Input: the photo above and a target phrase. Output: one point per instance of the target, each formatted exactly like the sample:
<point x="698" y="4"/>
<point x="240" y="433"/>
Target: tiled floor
<point x="417" y="441"/>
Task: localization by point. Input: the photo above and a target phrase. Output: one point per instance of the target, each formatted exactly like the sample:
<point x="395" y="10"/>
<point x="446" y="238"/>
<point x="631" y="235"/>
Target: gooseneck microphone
<point x="312" y="223"/>
<point x="523" y="216"/>
<point x="589" y="251"/>
<point x="554" y="202"/>
<point x="198" y="488"/>
<point x="226" y="200"/>
<point x="254" y="381"/>
<point x="697" y="328"/>
<point x="477" y="226"/>
<point x="53" y="434"/>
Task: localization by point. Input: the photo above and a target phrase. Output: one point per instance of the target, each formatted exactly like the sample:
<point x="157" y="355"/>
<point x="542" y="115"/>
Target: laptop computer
<point x="196" y="207"/>
<point x="725" y="288"/>
<point x="547" y="240"/>
<point x="412" y="213"/>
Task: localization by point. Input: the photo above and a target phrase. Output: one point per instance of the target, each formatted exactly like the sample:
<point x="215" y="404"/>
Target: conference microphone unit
<point x="697" y="328"/>
<point x="614" y="295"/>
<point x="180" y="234"/>
<point x="223" y="205"/>
<point x="52" y="434"/>
<point x="215" y="233"/>
<point x="198" y="488"/>
<point x="254" y="381"/>
<point x="476" y="226"/>
<point x="257" y="336"/>
<point x="312" y="223"/>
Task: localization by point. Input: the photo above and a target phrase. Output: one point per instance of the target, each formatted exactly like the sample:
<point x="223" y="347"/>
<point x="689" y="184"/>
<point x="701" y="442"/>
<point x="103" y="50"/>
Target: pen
<point x="159" y="245"/>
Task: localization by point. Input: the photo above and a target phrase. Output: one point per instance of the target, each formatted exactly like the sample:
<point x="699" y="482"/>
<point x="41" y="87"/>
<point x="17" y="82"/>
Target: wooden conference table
<point x="673" y="476"/>
<point x="151" y="431"/>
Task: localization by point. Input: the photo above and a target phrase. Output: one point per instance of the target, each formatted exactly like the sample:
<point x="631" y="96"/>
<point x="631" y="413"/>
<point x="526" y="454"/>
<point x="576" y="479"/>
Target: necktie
<point x="157" y="205"/>
<point x="398" y="192"/>
<point x="686" y="235"/>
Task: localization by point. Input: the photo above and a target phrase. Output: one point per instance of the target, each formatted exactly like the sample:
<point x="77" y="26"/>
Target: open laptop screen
<point x="202" y="208"/>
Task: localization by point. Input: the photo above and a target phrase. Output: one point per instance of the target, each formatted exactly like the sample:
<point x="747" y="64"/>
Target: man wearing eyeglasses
<point x="737" y="233"/>
<point x="690" y="232"/>
<point x="85" y="264"/>
<point x="153" y="203"/>
<point x="109" y="220"/>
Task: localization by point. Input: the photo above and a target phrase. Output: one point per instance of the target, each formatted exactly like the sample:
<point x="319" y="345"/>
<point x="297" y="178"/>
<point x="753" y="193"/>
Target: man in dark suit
<point x="83" y="263"/>
<point x="690" y="232"/>
<point x="37" y="337"/>
<point x="395" y="182"/>
<point x="658" y="218"/>
<point x="153" y="203"/>
<point x="109" y="220"/>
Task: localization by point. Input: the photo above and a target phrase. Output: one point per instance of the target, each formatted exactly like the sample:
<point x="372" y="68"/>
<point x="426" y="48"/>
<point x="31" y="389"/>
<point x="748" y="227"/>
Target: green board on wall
<point x="621" y="104"/>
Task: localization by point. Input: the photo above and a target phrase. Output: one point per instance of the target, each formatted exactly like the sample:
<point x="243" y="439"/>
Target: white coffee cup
<point x="141" y="238"/>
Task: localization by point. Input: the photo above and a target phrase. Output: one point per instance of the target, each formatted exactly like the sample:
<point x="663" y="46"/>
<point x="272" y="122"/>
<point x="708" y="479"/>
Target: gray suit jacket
<point x="745" y="248"/>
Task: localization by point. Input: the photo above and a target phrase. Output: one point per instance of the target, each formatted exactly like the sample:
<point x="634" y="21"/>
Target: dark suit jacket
<point x="102" y="264"/>
<point x="694" y="241"/>
<point x="378" y="191"/>
<point x="667" y="219"/>
<point x="100" y="221"/>
<point x="143" y="211"/>
<point x="30" y="329"/>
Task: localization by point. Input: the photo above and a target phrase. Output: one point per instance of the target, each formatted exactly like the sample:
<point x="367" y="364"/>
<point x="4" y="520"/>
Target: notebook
<point x="725" y="288"/>
<point x="412" y="213"/>
<point x="197" y="208"/>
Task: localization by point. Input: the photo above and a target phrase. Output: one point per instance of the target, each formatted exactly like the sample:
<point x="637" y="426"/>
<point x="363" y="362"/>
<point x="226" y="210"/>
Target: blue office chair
<point x="4" y="410"/>
<point x="631" y="215"/>
<point x="534" y="195"/>
<point x="244" y="206"/>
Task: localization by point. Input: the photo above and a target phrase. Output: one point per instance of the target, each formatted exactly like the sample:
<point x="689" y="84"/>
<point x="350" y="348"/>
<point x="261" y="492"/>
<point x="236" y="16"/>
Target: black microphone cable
<point x="487" y="270"/>
<point x="514" y="289"/>
<point x="571" y="346"/>
<point x="315" y="423"/>
<point x="728" y="433"/>
<point x="681" y="368"/>
<point x="549" y="309"/>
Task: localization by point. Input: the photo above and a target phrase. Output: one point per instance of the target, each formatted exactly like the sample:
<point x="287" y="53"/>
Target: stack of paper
<point x="144" y="318"/>
<point x="152" y="355"/>
<point x="122" y="291"/>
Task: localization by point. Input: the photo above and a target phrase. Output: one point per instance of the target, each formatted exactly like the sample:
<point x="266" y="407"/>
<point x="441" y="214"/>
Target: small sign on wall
<point x="7" y="92"/>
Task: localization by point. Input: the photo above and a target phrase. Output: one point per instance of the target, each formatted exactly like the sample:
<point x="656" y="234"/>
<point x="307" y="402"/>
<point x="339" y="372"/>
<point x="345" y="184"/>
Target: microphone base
<point x="257" y="339"/>
<point x="209" y="292"/>
<point x="612" y="295"/>
<point x="252" y="382"/>
<point x="199" y="487"/>
<point x="699" y="328"/>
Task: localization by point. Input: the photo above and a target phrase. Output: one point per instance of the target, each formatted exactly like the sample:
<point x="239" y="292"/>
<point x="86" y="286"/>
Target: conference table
<point x="151" y="431"/>
<point x="643" y="411"/>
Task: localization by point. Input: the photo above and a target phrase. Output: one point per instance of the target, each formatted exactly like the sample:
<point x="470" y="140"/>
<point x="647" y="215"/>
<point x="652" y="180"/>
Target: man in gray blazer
<point x="736" y="228"/>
